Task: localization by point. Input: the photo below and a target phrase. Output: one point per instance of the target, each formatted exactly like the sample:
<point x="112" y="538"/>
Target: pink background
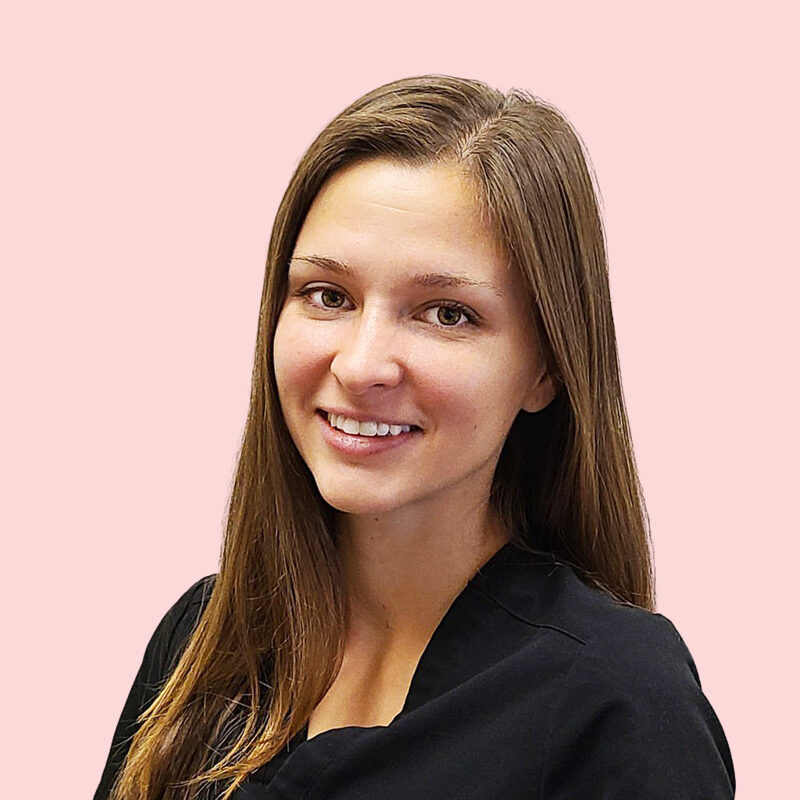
<point x="147" y="146"/>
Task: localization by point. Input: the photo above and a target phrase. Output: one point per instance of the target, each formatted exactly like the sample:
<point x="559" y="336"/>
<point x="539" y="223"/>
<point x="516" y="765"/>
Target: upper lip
<point x="360" y="417"/>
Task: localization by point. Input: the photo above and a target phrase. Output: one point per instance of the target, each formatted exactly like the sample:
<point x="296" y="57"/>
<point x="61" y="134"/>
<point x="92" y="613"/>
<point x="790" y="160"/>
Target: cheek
<point x="484" y="399"/>
<point x="296" y="356"/>
<point x="463" y="393"/>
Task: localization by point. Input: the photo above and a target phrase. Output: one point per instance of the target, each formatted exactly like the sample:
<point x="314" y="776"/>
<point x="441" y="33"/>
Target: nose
<point x="366" y="352"/>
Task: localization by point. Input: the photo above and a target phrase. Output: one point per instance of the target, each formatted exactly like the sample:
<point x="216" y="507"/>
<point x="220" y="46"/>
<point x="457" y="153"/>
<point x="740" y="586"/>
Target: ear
<point x="541" y="393"/>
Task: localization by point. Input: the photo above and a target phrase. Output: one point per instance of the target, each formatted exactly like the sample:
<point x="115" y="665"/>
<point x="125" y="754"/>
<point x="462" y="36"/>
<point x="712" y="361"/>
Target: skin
<point x="414" y="522"/>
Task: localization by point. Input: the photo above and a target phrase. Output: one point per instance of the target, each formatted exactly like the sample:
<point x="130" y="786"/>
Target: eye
<point x="331" y="293"/>
<point x="328" y="295"/>
<point x="450" y="312"/>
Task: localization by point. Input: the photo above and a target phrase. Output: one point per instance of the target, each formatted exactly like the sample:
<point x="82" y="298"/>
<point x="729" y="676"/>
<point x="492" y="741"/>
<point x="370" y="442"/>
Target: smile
<point x="358" y="445"/>
<point x="356" y="428"/>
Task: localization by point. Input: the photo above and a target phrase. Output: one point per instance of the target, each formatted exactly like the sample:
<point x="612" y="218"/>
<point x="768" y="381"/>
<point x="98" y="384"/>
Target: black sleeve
<point x="160" y="657"/>
<point x="633" y="723"/>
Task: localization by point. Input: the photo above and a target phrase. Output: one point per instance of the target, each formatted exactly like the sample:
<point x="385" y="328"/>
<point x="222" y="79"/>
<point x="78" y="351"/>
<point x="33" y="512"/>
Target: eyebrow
<point x="442" y="279"/>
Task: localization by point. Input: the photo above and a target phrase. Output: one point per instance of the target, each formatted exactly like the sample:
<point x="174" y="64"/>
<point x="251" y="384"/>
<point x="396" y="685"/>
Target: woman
<point x="436" y="578"/>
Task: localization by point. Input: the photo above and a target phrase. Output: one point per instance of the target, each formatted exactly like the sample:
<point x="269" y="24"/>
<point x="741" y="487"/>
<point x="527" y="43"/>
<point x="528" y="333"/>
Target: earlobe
<point x="542" y="394"/>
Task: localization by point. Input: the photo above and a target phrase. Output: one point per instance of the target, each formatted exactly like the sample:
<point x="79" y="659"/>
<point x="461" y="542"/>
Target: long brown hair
<point x="270" y="641"/>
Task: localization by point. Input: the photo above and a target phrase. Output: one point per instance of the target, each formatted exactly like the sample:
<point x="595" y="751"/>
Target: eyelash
<point x="470" y="316"/>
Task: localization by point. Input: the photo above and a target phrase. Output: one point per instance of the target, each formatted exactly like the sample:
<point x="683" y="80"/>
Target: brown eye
<point x="328" y="299"/>
<point x="449" y="316"/>
<point x="453" y="315"/>
<point x="327" y="293"/>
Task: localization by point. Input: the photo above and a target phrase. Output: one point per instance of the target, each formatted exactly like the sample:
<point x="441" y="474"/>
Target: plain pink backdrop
<point x="147" y="146"/>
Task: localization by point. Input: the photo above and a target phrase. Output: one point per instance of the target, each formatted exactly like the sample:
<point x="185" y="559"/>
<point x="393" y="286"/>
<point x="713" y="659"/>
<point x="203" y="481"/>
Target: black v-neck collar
<point x="475" y="631"/>
<point x="448" y="635"/>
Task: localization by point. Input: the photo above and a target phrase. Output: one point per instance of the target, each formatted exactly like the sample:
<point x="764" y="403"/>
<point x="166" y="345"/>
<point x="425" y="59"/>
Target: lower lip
<point x="356" y="445"/>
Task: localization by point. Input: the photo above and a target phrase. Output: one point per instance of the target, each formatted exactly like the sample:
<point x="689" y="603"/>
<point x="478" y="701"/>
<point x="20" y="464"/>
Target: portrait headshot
<point x="404" y="445"/>
<point x="435" y="576"/>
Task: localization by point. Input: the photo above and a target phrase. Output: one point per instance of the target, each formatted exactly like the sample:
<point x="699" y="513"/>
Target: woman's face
<point x="371" y="328"/>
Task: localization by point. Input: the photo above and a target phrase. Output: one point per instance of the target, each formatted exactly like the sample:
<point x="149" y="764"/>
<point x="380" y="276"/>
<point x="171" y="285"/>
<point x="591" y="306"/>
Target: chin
<point x="347" y="505"/>
<point x="350" y="501"/>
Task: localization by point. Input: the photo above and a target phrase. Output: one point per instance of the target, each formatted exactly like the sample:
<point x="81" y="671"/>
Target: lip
<point x="362" y="417"/>
<point x="356" y="445"/>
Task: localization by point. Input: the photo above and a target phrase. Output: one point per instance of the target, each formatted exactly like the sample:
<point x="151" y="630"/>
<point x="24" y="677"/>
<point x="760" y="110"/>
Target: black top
<point x="533" y="685"/>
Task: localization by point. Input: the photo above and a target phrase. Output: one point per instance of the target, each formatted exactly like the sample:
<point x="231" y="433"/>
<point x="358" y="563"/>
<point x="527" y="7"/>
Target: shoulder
<point x="621" y="643"/>
<point x="627" y="712"/>
<point x="618" y="653"/>
<point x="635" y="662"/>
<point x="631" y="716"/>
<point x="175" y="627"/>
<point x="632" y="706"/>
<point x="160" y="657"/>
<point x="187" y="609"/>
<point x="548" y="594"/>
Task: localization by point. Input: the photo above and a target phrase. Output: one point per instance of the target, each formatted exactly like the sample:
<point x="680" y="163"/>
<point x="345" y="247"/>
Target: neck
<point x="402" y="572"/>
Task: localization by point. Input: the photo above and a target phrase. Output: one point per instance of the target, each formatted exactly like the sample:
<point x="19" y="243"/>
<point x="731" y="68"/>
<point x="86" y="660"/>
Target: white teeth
<point x="350" y="426"/>
<point x="354" y="427"/>
<point x="368" y="428"/>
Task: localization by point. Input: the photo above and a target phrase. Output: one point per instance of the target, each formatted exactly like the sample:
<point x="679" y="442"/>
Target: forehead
<point x="382" y="214"/>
